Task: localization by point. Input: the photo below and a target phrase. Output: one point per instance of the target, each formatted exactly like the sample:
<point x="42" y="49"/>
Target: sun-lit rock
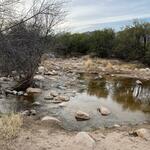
<point x="33" y="91"/>
<point x="80" y="115"/>
<point x="104" y="111"/>
<point x="50" y="119"/>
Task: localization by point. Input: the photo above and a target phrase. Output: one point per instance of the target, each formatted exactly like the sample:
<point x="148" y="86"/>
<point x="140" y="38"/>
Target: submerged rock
<point x="33" y="91"/>
<point x="104" y="111"/>
<point x="81" y="116"/>
<point x="83" y="141"/>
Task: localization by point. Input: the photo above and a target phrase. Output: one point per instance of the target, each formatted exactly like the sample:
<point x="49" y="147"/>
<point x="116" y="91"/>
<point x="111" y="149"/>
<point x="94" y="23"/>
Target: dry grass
<point x="89" y="64"/>
<point x="10" y="126"/>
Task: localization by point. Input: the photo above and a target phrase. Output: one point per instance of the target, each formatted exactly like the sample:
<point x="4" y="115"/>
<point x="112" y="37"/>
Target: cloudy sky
<point x="88" y="15"/>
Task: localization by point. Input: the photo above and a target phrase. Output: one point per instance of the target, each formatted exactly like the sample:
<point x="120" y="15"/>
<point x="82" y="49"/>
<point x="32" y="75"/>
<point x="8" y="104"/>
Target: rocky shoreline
<point x="57" y="82"/>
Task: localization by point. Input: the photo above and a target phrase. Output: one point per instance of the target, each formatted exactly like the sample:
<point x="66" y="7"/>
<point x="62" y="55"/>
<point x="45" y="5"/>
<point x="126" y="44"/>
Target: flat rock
<point x="104" y="111"/>
<point x="48" y="97"/>
<point x="63" y="104"/>
<point x="81" y="116"/>
<point x="36" y="104"/>
<point x="50" y="119"/>
<point x="38" y="78"/>
<point x="41" y="69"/>
<point x="82" y="141"/>
<point x="5" y="79"/>
<point x="33" y="91"/>
<point x="63" y="98"/>
<point x="54" y="93"/>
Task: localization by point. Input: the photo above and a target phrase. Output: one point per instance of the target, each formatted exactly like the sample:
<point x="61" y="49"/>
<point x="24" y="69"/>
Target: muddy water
<point x="128" y="102"/>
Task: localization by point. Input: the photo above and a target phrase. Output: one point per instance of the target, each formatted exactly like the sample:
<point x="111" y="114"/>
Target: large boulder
<point x="82" y="141"/>
<point x="81" y="116"/>
<point x="33" y="91"/>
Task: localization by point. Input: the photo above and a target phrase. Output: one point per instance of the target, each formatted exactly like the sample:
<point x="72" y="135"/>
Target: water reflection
<point x="124" y="91"/>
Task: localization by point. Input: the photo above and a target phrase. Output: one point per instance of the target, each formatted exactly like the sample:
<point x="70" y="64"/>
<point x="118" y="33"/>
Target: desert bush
<point x="10" y="126"/>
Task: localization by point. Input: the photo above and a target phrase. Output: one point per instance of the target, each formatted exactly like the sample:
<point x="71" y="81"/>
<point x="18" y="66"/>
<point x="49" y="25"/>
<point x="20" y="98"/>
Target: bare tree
<point x="23" y="41"/>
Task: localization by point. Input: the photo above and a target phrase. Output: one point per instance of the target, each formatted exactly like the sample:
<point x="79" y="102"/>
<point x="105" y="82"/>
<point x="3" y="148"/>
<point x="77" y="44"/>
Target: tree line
<point x="131" y="43"/>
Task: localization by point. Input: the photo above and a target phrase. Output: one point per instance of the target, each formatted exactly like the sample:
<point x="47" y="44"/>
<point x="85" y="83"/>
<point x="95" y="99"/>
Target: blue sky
<point x="88" y="15"/>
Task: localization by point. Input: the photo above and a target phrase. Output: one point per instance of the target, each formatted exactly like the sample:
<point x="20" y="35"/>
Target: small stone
<point x="63" y="98"/>
<point x="33" y="112"/>
<point x="64" y="104"/>
<point x="54" y="94"/>
<point x="50" y="119"/>
<point x="5" y="79"/>
<point x="14" y="92"/>
<point x="48" y="97"/>
<point x="116" y="126"/>
<point x="25" y="94"/>
<point x="80" y="116"/>
<point x="104" y="111"/>
<point x="20" y="93"/>
<point x="41" y="69"/>
<point x="36" y="104"/>
<point x="139" y="82"/>
<point x="34" y="91"/>
<point x="26" y="113"/>
<point x="38" y="78"/>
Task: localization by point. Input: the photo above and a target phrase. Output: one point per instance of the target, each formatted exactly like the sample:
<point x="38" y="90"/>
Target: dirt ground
<point x="35" y="135"/>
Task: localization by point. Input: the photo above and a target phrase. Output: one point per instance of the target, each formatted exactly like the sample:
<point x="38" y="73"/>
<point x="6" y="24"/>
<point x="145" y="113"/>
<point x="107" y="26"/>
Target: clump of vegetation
<point x="10" y="126"/>
<point x="24" y="37"/>
<point x="131" y="43"/>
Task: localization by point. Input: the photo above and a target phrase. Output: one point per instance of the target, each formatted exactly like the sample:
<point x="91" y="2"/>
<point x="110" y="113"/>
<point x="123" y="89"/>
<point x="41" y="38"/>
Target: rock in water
<point x="81" y="116"/>
<point x="83" y="141"/>
<point x="33" y="91"/>
<point x="104" y="111"/>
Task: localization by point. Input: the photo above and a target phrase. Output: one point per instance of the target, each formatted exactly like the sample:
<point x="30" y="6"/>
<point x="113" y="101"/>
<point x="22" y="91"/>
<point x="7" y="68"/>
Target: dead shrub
<point x="10" y="126"/>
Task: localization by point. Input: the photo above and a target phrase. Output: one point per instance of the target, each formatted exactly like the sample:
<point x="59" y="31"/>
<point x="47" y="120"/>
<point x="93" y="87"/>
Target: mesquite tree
<point x="24" y="38"/>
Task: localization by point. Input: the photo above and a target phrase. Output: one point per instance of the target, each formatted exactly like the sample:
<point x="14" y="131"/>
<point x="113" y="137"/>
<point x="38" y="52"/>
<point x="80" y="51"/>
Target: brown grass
<point x="10" y="126"/>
